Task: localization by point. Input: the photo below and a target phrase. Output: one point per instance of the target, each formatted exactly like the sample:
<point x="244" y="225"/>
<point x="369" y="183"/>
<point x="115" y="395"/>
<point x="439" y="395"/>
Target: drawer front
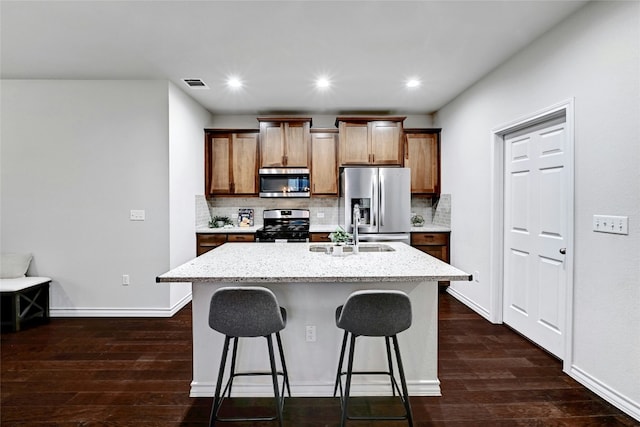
<point x="211" y="239"/>
<point x="319" y="237"/>
<point x="241" y="237"/>
<point x="429" y="239"/>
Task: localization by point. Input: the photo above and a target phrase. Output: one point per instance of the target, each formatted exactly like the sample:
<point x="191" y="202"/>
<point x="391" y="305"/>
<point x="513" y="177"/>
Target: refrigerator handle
<point x="381" y="202"/>
<point x="373" y="204"/>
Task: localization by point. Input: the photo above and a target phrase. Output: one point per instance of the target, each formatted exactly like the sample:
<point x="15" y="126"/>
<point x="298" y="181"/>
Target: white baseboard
<point x="119" y="311"/>
<point x="469" y="303"/>
<point x="309" y="389"/>
<point x="616" y="399"/>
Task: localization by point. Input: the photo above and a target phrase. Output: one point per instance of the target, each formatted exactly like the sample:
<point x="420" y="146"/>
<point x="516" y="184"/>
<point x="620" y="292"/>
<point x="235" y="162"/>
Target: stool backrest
<point x="249" y="311"/>
<point x="376" y="313"/>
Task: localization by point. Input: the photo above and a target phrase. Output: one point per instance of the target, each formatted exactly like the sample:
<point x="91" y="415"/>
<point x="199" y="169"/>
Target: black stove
<point x="290" y="225"/>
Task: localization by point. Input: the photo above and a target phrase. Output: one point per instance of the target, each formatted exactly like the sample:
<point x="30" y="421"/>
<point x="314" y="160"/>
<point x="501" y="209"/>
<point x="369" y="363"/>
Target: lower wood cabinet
<point x="208" y="241"/>
<point x="435" y="244"/>
<point x="319" y="237"/>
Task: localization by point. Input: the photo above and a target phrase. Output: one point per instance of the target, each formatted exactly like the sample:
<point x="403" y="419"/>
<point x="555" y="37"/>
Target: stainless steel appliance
<point x="383" y="196"/>
<point x="284" y="182"/>
<point x="284" y="225"/>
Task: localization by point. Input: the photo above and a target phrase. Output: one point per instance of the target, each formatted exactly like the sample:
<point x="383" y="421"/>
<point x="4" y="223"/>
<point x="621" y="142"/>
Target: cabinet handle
<point x="284" y="160"/>
<point x="406" y="150"/>
<point x="373" y="158"/>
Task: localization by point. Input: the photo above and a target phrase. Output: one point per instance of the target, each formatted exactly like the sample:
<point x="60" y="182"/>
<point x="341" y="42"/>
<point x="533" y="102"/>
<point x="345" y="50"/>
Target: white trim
<point x="470" y="303"/>
<point x="316" y="389"/>
<point x="119" y="311"/>
<point x="618" y="400"/>
<point x="496" y="279"/>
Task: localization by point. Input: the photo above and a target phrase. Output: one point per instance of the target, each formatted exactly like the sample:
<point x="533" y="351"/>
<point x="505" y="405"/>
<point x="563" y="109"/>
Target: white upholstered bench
<point x="24" y="298"/>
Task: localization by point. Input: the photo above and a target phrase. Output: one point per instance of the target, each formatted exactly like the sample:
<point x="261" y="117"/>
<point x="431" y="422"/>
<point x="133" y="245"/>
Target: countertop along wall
<point x="593" y="57"/>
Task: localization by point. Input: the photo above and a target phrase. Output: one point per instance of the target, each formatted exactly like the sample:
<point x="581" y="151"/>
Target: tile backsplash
<point x="439" y="214"/>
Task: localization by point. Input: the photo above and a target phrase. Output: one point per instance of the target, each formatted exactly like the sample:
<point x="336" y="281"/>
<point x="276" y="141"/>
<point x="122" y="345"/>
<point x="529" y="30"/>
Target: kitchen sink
<point x="367" y="247"/>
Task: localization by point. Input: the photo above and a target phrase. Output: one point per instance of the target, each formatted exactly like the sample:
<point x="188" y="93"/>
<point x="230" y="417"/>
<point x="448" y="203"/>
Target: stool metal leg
<point x="284" y="365"/>
<point x="274" y="376"/>
<point x="403" y="382"/>
<point x="234" y="355"/>
<point x="345" y="399"/>
<point x="340" y="361"/>
<point x="390" y="362"/>
<point x="217" y="399"/>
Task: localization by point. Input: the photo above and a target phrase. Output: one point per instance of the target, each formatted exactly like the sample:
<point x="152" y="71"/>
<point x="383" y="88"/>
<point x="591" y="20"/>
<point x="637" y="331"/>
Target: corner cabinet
<point x="370" y="140"/>
<point x="209" y="241"/>
<point x="436" y="244"/>
<point x="324" y="162"/>
<point x="231" y="162"/>
<point x="422" y="156"/>
<point x="284" y="141"/>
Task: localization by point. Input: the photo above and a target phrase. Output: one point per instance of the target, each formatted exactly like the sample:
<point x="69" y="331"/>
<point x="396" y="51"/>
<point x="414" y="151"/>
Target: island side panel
<point x="312" y="365"/>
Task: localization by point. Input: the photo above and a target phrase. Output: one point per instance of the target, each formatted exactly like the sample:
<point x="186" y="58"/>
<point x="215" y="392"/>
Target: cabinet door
<point x="271" y="144"/>
<point x="354" y="143"/>
<point x="206" y="242"/>
<point x="386" y="147"/>
<point x="219" y="179"/>
<point x="421" y="155"/>
<point x="324" y="168"/>
<point x="245" y="161"/>
<point x="296" y="152"/>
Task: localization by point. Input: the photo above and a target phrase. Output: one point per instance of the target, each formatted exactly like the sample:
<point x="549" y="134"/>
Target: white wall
<point x="317" y="121"/>
<point x="594" y="58"/>
<point x="187" y="120"/>
<point x="76" y="157"/>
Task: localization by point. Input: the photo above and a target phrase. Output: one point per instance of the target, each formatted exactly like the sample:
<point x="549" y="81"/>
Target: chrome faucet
<point x="356" y="223"/>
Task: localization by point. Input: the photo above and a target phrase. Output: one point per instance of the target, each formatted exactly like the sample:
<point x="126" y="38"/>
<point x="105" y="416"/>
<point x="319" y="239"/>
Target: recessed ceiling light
<point x="413" y="83"/>
<point x="323" y="82"/>
<point x="234" y="82"/>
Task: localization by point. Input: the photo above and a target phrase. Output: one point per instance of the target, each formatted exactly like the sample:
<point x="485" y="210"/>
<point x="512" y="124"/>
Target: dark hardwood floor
<point x="136" y="372"/>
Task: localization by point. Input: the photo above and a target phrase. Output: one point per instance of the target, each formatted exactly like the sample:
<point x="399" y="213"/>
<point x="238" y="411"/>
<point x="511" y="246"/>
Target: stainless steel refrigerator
<point x="384" y="198"/>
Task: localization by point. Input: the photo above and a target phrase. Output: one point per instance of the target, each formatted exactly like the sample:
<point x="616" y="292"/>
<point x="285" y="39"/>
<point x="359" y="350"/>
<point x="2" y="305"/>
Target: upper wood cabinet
<point x="284" y="141"/>
<point x="422" y="156"/>
<point x="370" y="140"/>
<point x="231" y="162"/>
<point x="324" y="162"/>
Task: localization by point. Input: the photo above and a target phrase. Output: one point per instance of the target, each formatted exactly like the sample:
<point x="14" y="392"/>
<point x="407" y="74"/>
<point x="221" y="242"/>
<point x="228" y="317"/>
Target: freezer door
<point x="395" y="200"/>
<point x="361" y="187"/>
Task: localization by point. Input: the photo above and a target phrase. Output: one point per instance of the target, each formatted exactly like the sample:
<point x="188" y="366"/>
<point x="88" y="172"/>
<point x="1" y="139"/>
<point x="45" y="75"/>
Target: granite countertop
<point x="427" y="228"/>
<point x="294" y="263"/>
<point x="318" y="228"/>
<point x="224" y="230"/>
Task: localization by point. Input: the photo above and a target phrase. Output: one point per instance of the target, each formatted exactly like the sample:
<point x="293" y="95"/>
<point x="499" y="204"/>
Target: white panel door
<point x="536" y="220"/>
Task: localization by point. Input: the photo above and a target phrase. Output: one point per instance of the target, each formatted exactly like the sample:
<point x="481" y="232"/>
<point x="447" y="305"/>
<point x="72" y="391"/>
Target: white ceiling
<point x="368" y="49"/>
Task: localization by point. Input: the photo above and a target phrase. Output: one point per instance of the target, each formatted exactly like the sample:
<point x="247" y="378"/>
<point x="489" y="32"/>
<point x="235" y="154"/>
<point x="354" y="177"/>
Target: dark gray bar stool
<point x="374" y="313"/>
<point x="249" y="311"/>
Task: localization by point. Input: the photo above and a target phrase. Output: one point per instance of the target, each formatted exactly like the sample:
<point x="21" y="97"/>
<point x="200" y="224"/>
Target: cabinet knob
<point x="563" y="251"/>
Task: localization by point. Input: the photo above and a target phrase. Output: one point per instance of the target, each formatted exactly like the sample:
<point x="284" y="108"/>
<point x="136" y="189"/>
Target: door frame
<point x="496" y="282"/>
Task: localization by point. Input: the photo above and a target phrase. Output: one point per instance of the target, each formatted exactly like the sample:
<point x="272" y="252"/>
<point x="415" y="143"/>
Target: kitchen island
<point x="311" y="284"/>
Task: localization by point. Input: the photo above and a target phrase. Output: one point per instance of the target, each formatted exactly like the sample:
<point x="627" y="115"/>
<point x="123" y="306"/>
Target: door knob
<point x="563" y="251"/>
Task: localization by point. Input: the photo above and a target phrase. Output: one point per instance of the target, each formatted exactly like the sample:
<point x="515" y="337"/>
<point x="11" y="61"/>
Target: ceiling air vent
<point x="195" y="83"/>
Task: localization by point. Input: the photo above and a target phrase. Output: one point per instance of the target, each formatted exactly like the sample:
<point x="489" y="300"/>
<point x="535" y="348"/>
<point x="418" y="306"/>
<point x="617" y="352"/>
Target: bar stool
<point x="240" y="312"/>
<point x="373" y="313"/>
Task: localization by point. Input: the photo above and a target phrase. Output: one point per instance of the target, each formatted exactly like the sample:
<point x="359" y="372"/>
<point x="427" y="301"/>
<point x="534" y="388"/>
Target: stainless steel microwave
<point x="284" y="182"/>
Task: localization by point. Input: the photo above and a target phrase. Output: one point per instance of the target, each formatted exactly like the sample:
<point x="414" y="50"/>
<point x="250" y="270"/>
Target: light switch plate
<point x="611" y="224"/>
<point x="136" y="215"/>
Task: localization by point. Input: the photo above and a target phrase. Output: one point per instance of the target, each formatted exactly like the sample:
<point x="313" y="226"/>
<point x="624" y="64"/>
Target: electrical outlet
<point x="310" y="333"/>
<point x="320" y="214"/>
<point x="476" y="276"/>
<point x="125" y="280"/>
<point x="136" y="215"/>
<point x="611" y="224"/>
